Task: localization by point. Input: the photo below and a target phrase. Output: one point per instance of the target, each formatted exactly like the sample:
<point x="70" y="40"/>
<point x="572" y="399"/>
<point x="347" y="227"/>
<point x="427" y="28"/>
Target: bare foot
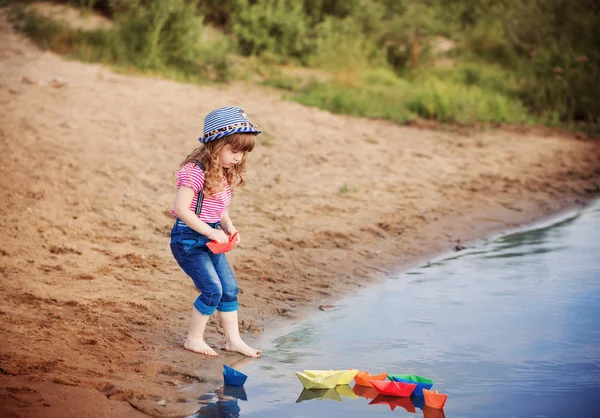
<point x="200" y="347"/>
<point x="242" y="348"/>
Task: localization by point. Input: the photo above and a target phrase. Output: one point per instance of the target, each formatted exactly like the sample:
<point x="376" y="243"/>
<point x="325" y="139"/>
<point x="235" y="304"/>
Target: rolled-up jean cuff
<point x="228" y="306"/>
<point x="202" y="308"/>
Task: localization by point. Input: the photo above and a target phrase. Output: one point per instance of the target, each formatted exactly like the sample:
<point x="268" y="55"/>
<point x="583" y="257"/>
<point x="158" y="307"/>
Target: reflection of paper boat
<point x="347" y="375"/>
<point x="394" y="402"/>
<point x="233" y="376"/>
<point x="422" y="382"/>
<point x="434" y="399"/>
<point x="218" y="248"/>
<point x="368" y="392"/>
<point x="418" y="401"/>
<point x="346" y="391"/>
<point x="364" y="378"/>
<point x="237" y="392"/>
<point x="318" y="394"/>
<point x="319" y="382"/>
<point x="429" y="412"/>
<point x="390" y="388"/>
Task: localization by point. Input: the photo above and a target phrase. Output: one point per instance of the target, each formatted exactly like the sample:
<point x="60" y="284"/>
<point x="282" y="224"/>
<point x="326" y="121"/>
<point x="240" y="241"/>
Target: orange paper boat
<point x="364" y="378"/>
<point x="393" y="402"/>
<point x="389" y="388"/>
<point x="218" y="248"/>
<point x="434" y="399"/>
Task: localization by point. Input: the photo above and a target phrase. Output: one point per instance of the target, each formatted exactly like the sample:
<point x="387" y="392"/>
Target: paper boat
<point x="318" y="382"/>
<point x="233" y="376"/>
<point x="318" y="394"/>
<point x="434" y="399"/>
<point x="390" y="388"/>
<point x="422" y="382"/>
<point x="368" y="392"/>
<point x="393" y="402"/>
<point x="347" y="375"/>
<point x="346" y="391"/>
<point x="218" y="248"/>
<point x="429" y="412"/>
<point x="364" y="378"/>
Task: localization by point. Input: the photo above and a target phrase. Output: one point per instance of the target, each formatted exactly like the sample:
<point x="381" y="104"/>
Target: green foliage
<point x="271" y="26"/>
<point x="341" y="44"/>
<point x="165" y="37"/>
<point x="164" y="33"/>
<point x="541" y="54"/>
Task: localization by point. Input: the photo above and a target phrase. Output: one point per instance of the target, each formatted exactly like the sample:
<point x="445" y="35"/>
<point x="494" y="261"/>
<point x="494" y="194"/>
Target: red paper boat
<point x="364" y="378"/>
<point x="394" y="402"/>
<point x="368" y="392"/>
<point x="218" y="248"/>
<point x="390" y="388"/>
<point x="434" y="399"/>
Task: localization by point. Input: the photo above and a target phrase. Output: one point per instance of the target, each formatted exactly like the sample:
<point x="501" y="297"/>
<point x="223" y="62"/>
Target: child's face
<point x="228" y="158"/>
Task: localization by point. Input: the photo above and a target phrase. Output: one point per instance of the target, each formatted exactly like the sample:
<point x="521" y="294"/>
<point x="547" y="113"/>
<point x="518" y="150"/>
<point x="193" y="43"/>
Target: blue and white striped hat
<point x="226" y="121"/>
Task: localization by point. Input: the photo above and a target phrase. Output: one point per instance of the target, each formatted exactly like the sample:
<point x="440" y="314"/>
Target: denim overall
<point x="210" y="272"/>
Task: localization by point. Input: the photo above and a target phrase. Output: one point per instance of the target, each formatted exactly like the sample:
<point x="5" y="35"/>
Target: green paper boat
<point x="347" y="375"/>
<point x="319" y="382"/>
<point x="422" y="382"/>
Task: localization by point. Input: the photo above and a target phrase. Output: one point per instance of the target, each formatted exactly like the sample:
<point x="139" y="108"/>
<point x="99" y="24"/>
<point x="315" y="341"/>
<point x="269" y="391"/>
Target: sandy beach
<point x="94" y="308"/>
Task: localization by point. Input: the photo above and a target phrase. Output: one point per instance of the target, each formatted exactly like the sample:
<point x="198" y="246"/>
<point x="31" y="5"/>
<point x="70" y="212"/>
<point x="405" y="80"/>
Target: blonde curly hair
<point x="208" y="155"/>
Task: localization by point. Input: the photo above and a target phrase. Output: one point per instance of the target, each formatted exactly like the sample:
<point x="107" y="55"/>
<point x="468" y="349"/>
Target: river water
<point x="510" y="328"/>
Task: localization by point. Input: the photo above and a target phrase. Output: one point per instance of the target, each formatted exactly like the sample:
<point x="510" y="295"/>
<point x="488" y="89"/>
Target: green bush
<point x="341" y="44"/>
<point x="163" y="33"/>
<point x="165" y="37"/>
<point x="271" y="26"/>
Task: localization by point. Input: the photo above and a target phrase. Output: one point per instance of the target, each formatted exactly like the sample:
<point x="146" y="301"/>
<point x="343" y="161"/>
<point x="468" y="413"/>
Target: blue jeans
<point x="210" y="272"/>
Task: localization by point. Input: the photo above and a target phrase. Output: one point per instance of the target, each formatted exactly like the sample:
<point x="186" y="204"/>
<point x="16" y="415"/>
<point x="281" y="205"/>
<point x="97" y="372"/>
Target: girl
<point x="204" y="184"/>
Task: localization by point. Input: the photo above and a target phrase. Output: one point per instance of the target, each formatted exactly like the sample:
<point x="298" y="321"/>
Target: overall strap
<point x="201" y="192"/>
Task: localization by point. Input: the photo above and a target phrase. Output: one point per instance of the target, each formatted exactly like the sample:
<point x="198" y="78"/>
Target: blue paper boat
<point x="233" y="377"/>
<point x="422" y="382"/>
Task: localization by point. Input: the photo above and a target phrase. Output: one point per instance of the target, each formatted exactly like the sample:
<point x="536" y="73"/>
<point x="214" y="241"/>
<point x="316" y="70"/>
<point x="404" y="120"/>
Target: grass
<point x="382" y="94"/>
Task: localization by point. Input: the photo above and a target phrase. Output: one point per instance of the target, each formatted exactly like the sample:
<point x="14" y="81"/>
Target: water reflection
<point x="319" y="394"/>
<point x="223" y="403"/>
<point x="367" y="392"/>
<point x="394" y="402"/>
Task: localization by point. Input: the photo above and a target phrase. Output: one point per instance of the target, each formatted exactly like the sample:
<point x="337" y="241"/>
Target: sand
<point x="94" y="309"/>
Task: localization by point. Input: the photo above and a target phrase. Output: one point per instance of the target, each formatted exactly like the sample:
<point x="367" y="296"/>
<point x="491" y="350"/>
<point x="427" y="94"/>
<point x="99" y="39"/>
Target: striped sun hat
<point x="226" y="121"/>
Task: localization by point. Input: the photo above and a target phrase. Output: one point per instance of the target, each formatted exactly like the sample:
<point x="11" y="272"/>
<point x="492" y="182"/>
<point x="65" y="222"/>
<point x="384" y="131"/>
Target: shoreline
<point x="96" y="310"/>
<point x="560" y="215"/>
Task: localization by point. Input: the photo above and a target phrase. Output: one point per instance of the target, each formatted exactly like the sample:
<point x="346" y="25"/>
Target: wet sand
<point x="94" y="309"/>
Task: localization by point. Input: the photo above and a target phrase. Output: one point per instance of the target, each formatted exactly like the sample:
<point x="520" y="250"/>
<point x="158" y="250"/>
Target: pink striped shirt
<point x="213" y="206"/>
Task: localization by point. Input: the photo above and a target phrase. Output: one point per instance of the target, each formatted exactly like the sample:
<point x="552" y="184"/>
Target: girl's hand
<point x="219" y="236"/>
<point x="232" y="231"/>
